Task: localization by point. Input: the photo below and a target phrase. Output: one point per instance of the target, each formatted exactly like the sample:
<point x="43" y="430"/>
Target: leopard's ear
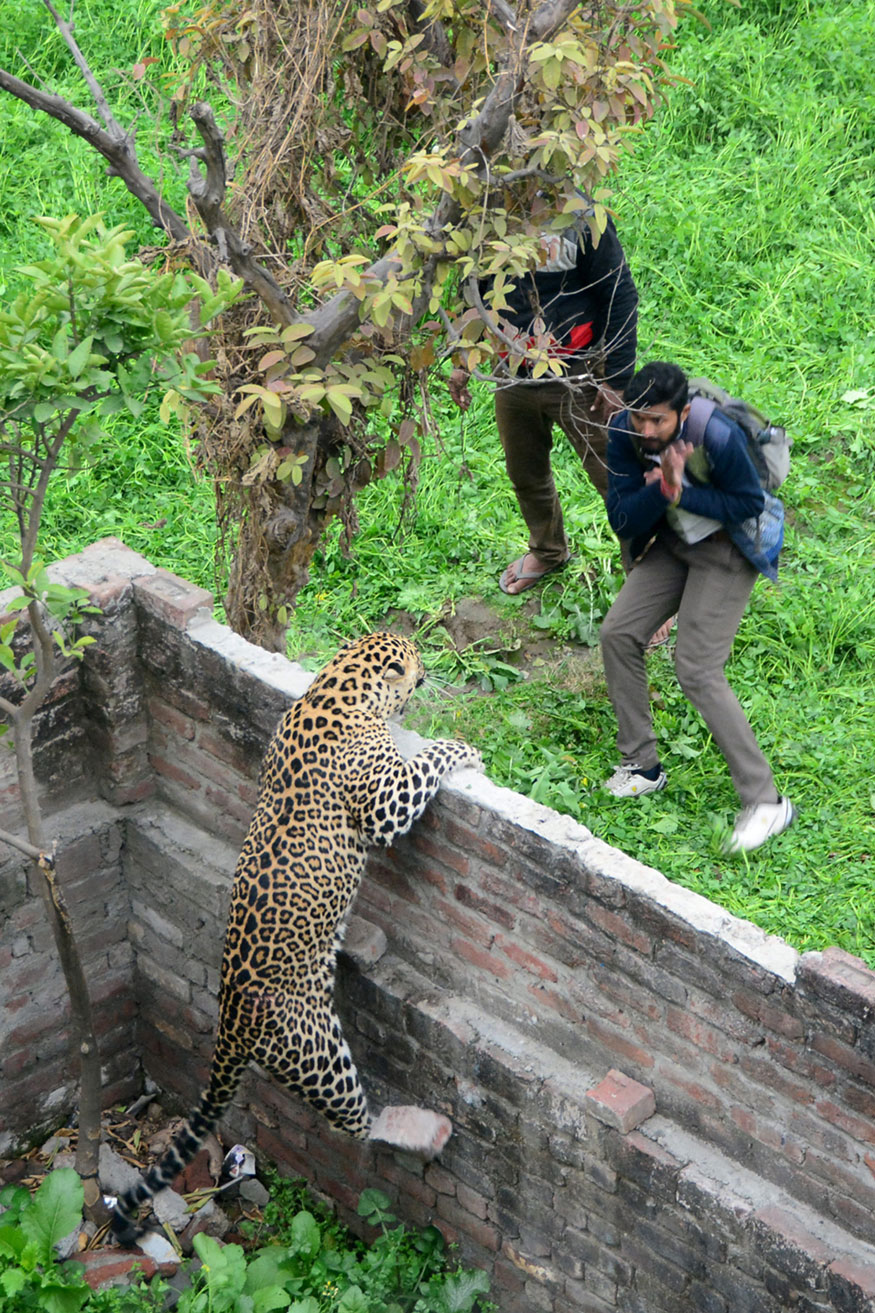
<point x="394" y="670"/>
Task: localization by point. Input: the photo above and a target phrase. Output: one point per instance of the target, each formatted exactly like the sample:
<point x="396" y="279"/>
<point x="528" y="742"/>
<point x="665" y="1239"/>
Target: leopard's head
<point x="377" y="674"/>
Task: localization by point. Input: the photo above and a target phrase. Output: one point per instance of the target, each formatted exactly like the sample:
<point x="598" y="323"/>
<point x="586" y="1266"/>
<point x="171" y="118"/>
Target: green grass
<point x="746" y="210"/>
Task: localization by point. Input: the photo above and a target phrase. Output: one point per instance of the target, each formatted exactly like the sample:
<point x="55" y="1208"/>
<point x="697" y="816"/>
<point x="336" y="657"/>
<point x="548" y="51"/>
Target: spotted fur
<point x="332" y="783"/>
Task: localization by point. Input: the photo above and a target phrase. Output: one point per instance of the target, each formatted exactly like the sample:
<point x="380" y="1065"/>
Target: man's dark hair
<point x="658" y="383"/>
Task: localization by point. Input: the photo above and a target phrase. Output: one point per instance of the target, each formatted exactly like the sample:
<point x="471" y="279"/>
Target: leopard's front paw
<point x="472" y="759"/>
<point x="460" y="755"/>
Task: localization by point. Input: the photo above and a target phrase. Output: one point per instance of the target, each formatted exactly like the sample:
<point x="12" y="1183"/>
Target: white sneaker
<point x="628" y="782"/>
<point x="759" y="822"/>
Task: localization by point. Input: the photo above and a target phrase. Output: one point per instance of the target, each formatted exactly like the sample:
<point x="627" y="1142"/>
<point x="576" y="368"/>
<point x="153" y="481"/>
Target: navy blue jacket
<point x="593" y="303"/>
<point x="731" y="493"/>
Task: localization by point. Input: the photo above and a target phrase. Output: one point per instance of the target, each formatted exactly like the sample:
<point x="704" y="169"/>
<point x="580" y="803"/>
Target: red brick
<point x="619" y="928"/>
<point x="465" y="1223"/>
<point x="437" y="879"/>
<point x="700" y="1094"/>
<point x="226" y="750"/>
<point x="841" y="978"/>
<point x="470" y="842"/>
<point x="163" y="767"/>
<point x="407" y="1183"/>
<point x="844" y="1056"/>
<point x="172" y="599"/>
<point x="526" y="960"/>
<point x="556" y="999"/>
<point x="472" y="1201"/>
<point x="790" y="1228"/>
<point x="475" y="927"/>
<point x="229" y="805"/>
<point x="802" y="1062"/>
<point x="480" y="957"/>
<point x="620" y="1101"/>
<point x="698" y="1032"/>
<point x="514" y="894"/>
<point x="773" y="1137"/>
<point x="440" y="1179"/>
<point x="617" y="1044"/>
<point x="164" y="714"/>
<point x="507" y="1276"/>
<point x="861" y="1275"/>
<point x="109" y="1267"/>
<point x="857" y="1127"/>
<point x="494" y="911"/>
<point x="783" y="1023"/>
<point x="130" y="793"/>
<point x="860" y="1100"/>
<point x="283" y="1153"/>
<point x="440" y="852"/>
<point x="769" y="1076"/>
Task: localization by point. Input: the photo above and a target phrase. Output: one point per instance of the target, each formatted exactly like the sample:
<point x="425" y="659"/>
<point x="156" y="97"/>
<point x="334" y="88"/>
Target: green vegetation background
<point x="748" y="216"/>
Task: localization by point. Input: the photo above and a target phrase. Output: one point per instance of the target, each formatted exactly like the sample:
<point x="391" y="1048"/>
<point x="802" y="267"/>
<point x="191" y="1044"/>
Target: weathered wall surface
<point x="656" y="1107"/>
<point x="37" y="1074"/>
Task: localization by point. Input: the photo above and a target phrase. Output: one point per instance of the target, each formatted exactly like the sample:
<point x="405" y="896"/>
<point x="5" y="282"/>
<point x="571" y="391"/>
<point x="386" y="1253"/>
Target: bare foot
<point x="417" y="1129"/>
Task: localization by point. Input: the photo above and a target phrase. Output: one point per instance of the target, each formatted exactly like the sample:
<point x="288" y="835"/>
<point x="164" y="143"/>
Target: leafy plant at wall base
<point x="313" y="1265"/>
<point x="30" y="1228"/>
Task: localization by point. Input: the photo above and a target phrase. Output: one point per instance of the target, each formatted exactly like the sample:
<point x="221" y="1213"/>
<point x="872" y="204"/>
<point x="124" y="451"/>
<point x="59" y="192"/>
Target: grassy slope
<point x="747" y="215"/>
<point x="142" y="487"/>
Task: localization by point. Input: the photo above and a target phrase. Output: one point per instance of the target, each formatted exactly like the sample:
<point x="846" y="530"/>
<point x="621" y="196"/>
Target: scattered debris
<point x="215" y="1194"/>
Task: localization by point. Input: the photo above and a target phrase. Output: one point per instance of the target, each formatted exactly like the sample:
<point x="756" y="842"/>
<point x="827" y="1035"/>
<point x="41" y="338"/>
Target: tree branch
<point x="66" y="31"/>
<point x="116" y="150"/>
<point x="38" y="854"/>
<point x="38" y="494"/>
<point x="207" y="190"/>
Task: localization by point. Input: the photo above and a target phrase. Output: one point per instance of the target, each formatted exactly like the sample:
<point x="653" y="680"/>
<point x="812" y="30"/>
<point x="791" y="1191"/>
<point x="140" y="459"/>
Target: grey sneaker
<point x="762" y="821"/>
<point x="628" y="782"/>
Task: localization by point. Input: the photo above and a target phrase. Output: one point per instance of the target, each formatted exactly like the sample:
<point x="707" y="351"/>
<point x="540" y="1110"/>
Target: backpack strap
<point x="701" y="410"/>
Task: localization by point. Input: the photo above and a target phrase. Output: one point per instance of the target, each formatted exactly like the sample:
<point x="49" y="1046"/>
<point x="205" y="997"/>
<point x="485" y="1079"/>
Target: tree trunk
<point x="46" y="882"/>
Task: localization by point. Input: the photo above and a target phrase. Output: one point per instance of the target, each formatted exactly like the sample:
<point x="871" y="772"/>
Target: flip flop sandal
<point x="662" y="642"/>
<point x="528" y="578"/>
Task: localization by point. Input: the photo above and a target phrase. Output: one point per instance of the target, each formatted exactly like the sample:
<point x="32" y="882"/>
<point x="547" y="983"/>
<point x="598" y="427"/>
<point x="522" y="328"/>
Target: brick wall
<point x="37" y="1068"/>
<point x="655" y="1106"/>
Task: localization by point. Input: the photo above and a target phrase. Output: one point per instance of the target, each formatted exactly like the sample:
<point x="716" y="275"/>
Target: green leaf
<point x="12" y="1241"/>
<point x="375" y="1207"/>
<point x="7" y="659"/>
<point x="354" y="1300"/>
<point x="56" y="1209"/>
<point x="78" y="358"/>
<point x="62" y="1299"/>
<point x="306" y="1238"/>
<point x="270" y="1297"/>
<point x="340" y="404"/>
<point x="269" y="1268"/>
<point x="461" y="1289"/>
<point x="13" y="1279"/>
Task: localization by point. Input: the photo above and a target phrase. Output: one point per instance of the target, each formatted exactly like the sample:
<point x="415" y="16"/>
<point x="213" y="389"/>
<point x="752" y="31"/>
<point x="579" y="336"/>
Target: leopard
<point x="332" y="784"/>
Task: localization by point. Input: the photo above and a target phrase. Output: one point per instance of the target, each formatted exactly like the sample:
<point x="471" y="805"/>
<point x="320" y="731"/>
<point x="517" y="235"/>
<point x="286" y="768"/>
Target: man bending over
<point x="701" y="529"/>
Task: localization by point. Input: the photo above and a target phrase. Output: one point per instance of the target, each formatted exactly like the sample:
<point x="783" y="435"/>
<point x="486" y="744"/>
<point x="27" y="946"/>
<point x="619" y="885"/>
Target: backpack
<point x="767" y="444"/>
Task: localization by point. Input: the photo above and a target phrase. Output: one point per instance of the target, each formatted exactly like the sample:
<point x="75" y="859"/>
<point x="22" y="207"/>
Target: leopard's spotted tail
<point x="186" y="1145"/>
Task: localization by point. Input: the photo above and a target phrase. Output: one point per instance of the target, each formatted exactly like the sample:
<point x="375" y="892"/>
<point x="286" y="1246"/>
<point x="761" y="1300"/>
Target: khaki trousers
<point x="708" y="584"/>
<point x="525" y="414"/>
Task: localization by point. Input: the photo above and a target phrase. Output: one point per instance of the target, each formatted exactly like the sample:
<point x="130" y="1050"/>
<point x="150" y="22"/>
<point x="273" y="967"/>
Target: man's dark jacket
<point x="729" y="490"/>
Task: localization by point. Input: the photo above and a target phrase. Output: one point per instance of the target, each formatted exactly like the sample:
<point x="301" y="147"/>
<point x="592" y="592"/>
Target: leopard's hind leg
<point x="311" y="1057"/>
